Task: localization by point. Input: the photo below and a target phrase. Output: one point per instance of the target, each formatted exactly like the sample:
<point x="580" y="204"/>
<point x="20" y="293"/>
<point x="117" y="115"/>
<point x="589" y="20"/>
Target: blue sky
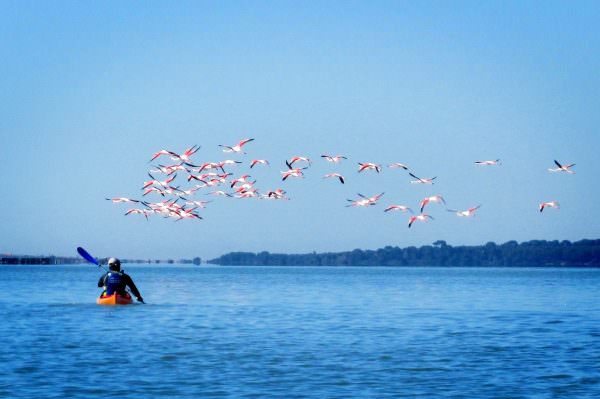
<point x="90" y="91"/>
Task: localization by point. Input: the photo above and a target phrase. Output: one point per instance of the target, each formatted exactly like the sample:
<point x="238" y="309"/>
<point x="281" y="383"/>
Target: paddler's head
<point x="114" y="264"/>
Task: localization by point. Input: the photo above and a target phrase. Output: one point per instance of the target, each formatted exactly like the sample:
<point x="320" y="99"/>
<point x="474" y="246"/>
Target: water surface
<point x="312" y="332"/>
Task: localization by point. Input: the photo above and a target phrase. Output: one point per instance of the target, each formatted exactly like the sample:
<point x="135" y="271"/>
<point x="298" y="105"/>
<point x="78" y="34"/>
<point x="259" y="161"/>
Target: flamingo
<point x="159" y="153"/>
<point x="164" y="206"/>
<point x="421" y="218"/>
<point x="189" y="192"/>
<point x="401" y="208"/>
<point x="258" y="161"/>
<point x="562" y="168"/>
<point x="365" y="201"/>
<point x="199" y="204"/>
<point x="228" y="162"/>
<point x="296" y="159"/>
<point x="144" y="212"/>
<point x="242" y="179"/>
<point x="247" y="194"/>
<point x="373" y="200"/>
<point x="164" y="183"/>
<point x="369" y="165"/>
<point x="340" y="177"/>
<point x="222" y="176"/>
<point x="398" y="165"/>
<point x="199" y="178"/>
<point x="186" y="214"/>
<point x="169" y="169"/>
<point x="276" y="194"/>
<point x="419" y="180"/>
<point x="236" y="148"/>
<point x="219" y="193"/>
<point x="161" y="169"/>
<point x="187" y="153"/>
<point x="245" y="187"/>
<point x="167" y="209"/>
<point x="359" y="203"/>
<point x="433" y="198"/>
<point x="207" y="165"/>
<point x="488" y="163"/>
<point x="214" y="182"/>
<point x="549" y="204"/>
<point x="468" y="213"/>
<point x="293" y="172"/>
<point x="121" y="200"/>
<point x="151" y="189"/>
<point x="333" y="159"/>
<point x="213" y="175"/>
<point x="209" y="175"/>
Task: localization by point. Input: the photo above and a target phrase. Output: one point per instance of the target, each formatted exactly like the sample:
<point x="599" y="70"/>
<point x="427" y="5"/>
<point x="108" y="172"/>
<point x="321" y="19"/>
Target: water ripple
<point x="306" y="333"/>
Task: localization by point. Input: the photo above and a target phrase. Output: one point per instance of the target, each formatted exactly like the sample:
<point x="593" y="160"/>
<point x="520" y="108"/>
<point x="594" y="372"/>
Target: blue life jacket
<point x="115" y="282"/>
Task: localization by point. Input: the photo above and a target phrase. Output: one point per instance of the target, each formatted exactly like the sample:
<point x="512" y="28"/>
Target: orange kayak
<point x="114" y="299"/>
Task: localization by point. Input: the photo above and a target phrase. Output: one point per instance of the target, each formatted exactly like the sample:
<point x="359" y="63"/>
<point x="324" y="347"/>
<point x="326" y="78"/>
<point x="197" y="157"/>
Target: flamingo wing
<point x="241" y="143"/>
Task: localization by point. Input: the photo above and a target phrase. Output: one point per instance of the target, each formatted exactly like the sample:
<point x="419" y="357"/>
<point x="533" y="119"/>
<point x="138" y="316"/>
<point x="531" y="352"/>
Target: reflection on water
<point x="302" y="332"/>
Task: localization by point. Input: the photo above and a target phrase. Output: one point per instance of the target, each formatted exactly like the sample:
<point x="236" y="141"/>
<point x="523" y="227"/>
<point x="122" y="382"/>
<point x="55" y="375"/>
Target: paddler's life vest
<point x="114" y="282"/>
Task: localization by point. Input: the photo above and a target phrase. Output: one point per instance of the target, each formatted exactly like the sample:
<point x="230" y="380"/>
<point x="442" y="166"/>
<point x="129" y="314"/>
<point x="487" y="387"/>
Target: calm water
<point x="302" y="332"/>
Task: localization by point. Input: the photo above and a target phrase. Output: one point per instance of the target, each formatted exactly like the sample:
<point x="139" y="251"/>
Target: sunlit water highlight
<point x="253" y="332"/>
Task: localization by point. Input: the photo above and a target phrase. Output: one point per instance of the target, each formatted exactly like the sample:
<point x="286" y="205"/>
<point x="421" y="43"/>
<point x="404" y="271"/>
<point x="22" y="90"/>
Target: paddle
<point x="86" y="255"/>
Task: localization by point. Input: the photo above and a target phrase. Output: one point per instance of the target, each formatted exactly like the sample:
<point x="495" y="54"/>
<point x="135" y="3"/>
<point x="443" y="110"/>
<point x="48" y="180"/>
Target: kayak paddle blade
<point x="85" y="255"/>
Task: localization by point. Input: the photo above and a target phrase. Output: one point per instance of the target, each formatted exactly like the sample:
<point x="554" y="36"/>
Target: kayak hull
<point x="114" y="299"/>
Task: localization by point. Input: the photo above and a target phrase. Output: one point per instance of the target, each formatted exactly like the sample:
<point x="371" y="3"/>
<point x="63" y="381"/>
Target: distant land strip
<point x="583" y="253"/>
<point x="9" y="259"/>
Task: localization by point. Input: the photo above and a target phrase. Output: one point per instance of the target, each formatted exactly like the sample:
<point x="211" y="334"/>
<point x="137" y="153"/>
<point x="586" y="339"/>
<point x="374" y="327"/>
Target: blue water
<point x="273" y="332"/>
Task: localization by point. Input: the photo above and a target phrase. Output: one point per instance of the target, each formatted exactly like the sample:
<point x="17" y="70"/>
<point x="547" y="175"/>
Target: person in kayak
<point x="115" y="280"/>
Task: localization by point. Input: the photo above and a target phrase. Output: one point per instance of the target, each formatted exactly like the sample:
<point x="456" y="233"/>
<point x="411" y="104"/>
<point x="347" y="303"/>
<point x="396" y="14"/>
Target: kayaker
<point x="116" y="280"/>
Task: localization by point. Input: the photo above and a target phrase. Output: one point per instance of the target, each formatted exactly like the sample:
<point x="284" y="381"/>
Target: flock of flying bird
<point x="178" y="203"/>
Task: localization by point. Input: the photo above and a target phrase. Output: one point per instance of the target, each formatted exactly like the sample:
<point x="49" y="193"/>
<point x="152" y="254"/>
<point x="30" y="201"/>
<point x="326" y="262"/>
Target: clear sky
<point x="91" y="90"/>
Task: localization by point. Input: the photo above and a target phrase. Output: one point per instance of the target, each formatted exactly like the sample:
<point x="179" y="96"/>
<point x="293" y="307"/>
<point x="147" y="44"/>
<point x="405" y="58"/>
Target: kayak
<point x="114" y="299"/>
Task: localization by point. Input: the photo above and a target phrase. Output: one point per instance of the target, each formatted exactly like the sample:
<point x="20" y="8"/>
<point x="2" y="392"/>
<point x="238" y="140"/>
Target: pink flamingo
<point x="340" y="177"/>
<point x="562" y="168"/>
<point x="258" y="161"/>
<point x="333" y="159"/>
<point x="296" y="159"/>
<point x="549" y="204"/>
<point x="121" y="200"/>
<point x="398" y="165"/>
<point x="419" y="180"/>
<point x="368" y="165"/>
<point x="421" y="218"/>
<point x="433" y="198"/>
<point x="468" y="213"/>
<point x="401" y="208"/>
<point x="236" y="148"/>
<point x="488" y="163"/>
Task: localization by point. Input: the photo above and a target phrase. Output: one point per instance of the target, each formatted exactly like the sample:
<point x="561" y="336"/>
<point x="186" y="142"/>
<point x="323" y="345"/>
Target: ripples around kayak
<point x="273" y="332"/>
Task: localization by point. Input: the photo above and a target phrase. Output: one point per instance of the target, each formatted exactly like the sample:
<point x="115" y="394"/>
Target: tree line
<point x="529" y="253"/>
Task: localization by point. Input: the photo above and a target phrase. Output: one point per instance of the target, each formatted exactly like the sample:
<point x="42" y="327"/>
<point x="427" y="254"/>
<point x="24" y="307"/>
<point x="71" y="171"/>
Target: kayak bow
<point x="114" y="299"/>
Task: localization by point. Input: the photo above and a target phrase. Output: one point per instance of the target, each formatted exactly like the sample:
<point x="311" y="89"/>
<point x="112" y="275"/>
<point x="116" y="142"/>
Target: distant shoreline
<point x="536" y="253"/>
<point x="62" y="260"/>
